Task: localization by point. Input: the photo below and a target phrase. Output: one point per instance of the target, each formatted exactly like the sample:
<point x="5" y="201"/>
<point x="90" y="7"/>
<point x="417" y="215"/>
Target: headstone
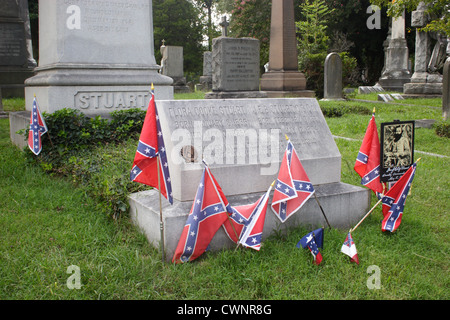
<point x="385" y="97"/>
<point x="243" y="142"/>
<point x="96" y="56"/>
<point x="172" y="66"/>
<point x="446" y="90"/>
<point x="425" y="81"/>
<point x="396" y="71"/>
<point x="16" y="54"/>
<point x="235" y="68"/>
<point x="283" y="78"/>
<point x="333" y="77"/>
<point x="397" y="96"/>
<point x="206" y="78"/>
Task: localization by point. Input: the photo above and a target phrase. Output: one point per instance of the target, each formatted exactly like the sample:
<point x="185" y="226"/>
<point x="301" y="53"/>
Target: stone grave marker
<point x="333" y="77"/>
<point x="446" y="90"/>
<point x="173" y="67"/>
<point x="235" y="68"/>
<point x="96" y="56"/>
<point x="206" y="78"/>
<point x="16" y="54"/>
<point x="243" y="141"/>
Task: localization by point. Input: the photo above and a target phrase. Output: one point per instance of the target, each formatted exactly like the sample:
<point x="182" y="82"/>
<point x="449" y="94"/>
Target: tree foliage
<point x="438" y="10"/>
<point x="177" y="22"/>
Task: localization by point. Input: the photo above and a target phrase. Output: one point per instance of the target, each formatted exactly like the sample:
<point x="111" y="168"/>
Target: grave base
<point x="236" y="95"/>
<point x="343" y="204"/>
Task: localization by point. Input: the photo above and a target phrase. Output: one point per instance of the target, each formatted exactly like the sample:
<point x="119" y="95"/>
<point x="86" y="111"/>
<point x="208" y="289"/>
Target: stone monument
<point x="16" y="54"/>
<point x="396" y="71"/>
<point x="243" y="141"/>
<point x="206" y="78"/>
<point x="172" y="65"/>
<point x="235" y="67"/>
<point x="425" y="81"/>
<point x="333" y="77"/>
<point x="96" y="56"/>
<point x="283" y="78"/>
<point x="446" y="90"/>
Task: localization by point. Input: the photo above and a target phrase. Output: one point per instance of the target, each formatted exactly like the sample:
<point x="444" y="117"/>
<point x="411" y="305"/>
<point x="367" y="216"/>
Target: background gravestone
<point x="333" y="77"/>
<point x="235" y="68"/>
<point x="283" y="78"/>
<point x="96" y="56"/>
<point x="172" y="66"/>
<point x="446" y="90"/>
<point x="16" y="55"/>
<point x="396" y="71"/>
<point x="206" y="78"/>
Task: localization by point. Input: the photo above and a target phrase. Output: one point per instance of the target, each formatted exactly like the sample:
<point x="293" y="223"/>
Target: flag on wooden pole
<point x="37" y="129"/>
<point x="394" y="200"/>
<point x="151" y="146"/>
<point x="349" y="248"/>
<point x="367" y="163"/>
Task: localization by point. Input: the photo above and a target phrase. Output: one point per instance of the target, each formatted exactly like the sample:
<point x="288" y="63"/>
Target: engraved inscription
<point x="111" y="100"/>
<point x="12" y="44"/>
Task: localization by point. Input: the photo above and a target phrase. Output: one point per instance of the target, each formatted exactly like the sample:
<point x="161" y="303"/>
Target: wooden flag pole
<point x="367" y="214"/>
<point x="323" y="212"/>
<point x="161" y="223"/>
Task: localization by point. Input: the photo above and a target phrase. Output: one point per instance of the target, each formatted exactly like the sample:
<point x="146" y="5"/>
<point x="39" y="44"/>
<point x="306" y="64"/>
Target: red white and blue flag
<point x="313" y="241"/>
<point x="209" y="211"/>
<point x="293" y="187"/>
<point x="150" y="147"/>
<point x="367" y="163"/>
<point x="246" y="223"/>
<point x="349" y="248"/>
<point x="37" y="129"/>
<point x="394" y="200"/>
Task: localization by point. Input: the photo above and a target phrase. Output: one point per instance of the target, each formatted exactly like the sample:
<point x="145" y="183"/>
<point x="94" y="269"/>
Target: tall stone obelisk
<point x="283" y="78"/>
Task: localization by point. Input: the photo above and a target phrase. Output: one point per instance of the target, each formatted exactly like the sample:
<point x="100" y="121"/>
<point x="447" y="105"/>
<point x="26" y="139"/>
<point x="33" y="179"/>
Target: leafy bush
<point x="442" y="128"/>
<point x="91" y="151"/>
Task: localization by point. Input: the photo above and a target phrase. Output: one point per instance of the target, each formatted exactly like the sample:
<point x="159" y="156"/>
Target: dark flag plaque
<point x="397" y="149"/>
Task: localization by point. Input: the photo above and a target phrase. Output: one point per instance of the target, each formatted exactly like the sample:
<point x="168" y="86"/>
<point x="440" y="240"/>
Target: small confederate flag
<point x="151" y="145"/>
<point x="349" y="248"/>
<point x="394" y="201"/>
<point x="209" y="211"/>
<point x="37" y="129"/>
<point x="367" y="163"/>
<point x="313" y="241"/>
<point x="247" y="222"/>
<point x="293" y="187"/>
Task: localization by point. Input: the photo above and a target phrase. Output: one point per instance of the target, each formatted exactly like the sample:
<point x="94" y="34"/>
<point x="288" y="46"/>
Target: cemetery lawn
<point x="48" y="225"/>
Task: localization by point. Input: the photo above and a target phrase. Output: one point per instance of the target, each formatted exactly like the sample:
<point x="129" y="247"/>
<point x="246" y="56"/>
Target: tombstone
<point x="243" y="141"/>
<point x="396" y="71"/>
<point x="172" y="66"/>
<point x="333" y="77"/>
<point x="96" y="56"/>
<point x="446" y="90"/>
<point x="385" y="97"/>
<point x="283" y="78"/>
<point x="425" y="81"/>
<point x="16" y="54"/>
<point x="206" y="78"/>
<point x="2" y="113"/>
<point x="235" y="69"/>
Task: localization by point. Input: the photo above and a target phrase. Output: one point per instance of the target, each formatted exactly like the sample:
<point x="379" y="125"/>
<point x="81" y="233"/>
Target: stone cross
<point x="224" y="24"/>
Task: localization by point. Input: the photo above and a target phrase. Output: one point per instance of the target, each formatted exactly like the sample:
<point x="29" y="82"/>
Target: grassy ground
<point x="48" y="225"/>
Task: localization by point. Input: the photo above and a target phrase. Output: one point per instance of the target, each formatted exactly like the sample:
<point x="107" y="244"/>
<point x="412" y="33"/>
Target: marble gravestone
<point x="243" y="141"/>
<point x="333" y="77"/>
<point x="16" y="54"/>
<point x="96" y="56"/>
<point x="235" y="68"/>
<point x="172" y="65"/>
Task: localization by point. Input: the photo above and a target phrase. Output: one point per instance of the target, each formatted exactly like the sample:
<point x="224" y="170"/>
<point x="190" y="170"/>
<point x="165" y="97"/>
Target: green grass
<point x="47" y="225"/>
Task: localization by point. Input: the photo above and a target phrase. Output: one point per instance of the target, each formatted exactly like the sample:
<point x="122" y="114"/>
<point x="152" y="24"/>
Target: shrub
<point x="442" y="128"/>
